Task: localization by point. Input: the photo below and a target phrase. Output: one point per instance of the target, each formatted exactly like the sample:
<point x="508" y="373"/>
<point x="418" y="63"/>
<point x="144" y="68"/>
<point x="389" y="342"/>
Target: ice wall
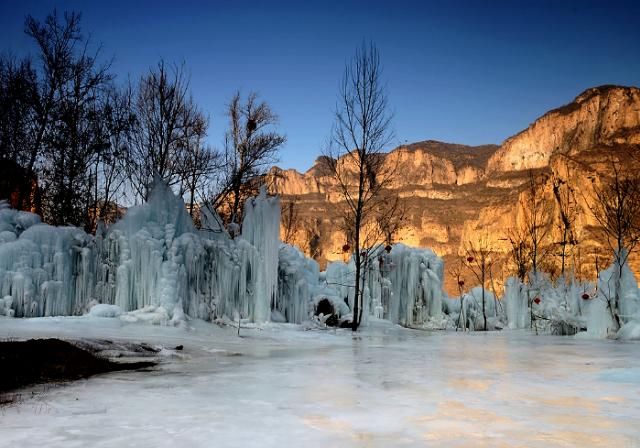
<point x="44" y="270"/>
<point x="301" y="287"/>
<point x="261" y="228"/>
<point x="568" y="306"/>
<point x="403" y="285"/>
<point x="516" y="304"/>
<point x="153" y="259"/>
<point x="416" y="277"/>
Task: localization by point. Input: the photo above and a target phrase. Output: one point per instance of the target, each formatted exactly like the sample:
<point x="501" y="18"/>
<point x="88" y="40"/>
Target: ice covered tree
<point x="616" y="208"/>
<point x="361" y="132"/>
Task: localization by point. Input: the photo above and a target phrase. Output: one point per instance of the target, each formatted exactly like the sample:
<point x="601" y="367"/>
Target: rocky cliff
<point x="456" y="194"/>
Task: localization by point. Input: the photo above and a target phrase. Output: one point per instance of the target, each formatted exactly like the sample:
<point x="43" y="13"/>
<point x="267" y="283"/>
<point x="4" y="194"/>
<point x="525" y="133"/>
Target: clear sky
<point x="470" y="72"/>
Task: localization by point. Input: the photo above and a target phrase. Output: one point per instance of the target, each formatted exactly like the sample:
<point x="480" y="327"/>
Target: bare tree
<point x="567" y="214"/>
<point x="361" y="132"/>
<point x="110" y="161"/>
<point x="166" y="120"/>
<point x="312" y="233"/>
<point x="200" y="162"/>
<point x="67" y="121"/>
<point x="456" y="272"/>
<point x="290" y="220"/>
<point x="18" y="100"/>
<point x="537" y="217"/>
<point x="480" y="263"/>
<point x="390" y="215"/>
<point x="616" y="208"/>
<point x="251" y="147"/>
<point x="57" y="42"/>
<point x="520" y="251"/>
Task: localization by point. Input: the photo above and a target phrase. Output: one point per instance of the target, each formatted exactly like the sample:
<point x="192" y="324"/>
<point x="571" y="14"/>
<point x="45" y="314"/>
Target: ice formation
<point x="152" y="260"/>
<point x="301" y="287"/>
<point x="403" y="285"/>
<point x="569" y="306"/>
<point x="155" y="266"/>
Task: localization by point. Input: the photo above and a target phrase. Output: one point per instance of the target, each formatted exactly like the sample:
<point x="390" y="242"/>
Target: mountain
<point x="455" y="194"/>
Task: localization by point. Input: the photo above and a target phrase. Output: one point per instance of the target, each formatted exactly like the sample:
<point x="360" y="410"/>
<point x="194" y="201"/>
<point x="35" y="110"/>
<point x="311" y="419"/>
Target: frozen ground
<point x="387" y="386"/>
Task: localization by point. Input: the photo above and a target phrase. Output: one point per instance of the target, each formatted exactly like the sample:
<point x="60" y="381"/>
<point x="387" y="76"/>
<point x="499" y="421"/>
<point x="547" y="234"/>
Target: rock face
<point x="456" y="194"/>
<point x="606" y="115"/>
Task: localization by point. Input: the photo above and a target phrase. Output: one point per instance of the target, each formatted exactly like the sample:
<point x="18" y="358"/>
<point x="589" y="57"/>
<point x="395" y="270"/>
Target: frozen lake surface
<point x="385" y="386"/>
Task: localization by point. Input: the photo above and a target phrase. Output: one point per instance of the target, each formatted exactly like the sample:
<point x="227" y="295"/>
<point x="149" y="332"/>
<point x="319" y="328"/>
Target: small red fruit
<point x="537" y="300"/>
<point x="470" y="259"/>
<point x="461" y="283"/>
<point x="585" y="296"/>
<point x="388" y="248"/>
<point x="346" y="248"/>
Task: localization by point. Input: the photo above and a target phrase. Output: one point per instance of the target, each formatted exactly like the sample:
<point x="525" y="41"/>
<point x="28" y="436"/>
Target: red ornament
<point x="585" y="296"/>
<point x="470" y="259"/>
<point x="346" y="248"/>
<point x="537" y="300"/>
<point x="460" y="282"/>
<point x="388" y="248"/>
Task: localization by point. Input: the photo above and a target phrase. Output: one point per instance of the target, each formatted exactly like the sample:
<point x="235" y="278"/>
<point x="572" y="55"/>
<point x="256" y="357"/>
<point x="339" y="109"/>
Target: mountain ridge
<point x="455" y="192"/>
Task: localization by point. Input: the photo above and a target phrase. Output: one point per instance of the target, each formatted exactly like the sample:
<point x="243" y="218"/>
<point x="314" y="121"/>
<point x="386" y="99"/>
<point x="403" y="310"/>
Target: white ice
<point x="386" y="386"/>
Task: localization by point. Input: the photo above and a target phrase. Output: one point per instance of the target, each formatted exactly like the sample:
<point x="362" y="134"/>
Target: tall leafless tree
<point x="567" y="208"/>
<point x="251" y="147"/>
<point x="67" y="131"/>
<point x="616" y="208"/>
<point x="110" y="161"/>
<point x="199" y="162"/>
<point x="520" y="251"/>
<point x="480" y="263"/>
<point x="361" y="133"/>
<point x="166" y="119"/>
<point x="537" y="218"/>
<point x="390" y="215"/>
<point x="18" y="100"/>
<point x="290" y="220"/>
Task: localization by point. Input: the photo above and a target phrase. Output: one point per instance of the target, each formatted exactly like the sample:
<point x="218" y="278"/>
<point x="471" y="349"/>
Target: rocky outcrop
<point x="454" y="194"/>
<point x="606" y="115"/>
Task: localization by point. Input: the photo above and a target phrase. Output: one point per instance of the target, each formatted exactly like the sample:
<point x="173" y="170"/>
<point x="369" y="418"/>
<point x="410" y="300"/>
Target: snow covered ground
<point x="385" y="386"/>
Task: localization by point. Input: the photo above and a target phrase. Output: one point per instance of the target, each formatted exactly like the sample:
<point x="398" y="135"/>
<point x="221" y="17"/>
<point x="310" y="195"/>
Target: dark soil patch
<point x="23" y="363"/>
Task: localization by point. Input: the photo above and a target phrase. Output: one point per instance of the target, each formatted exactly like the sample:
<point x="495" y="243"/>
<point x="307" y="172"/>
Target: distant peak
<point x="587" y="95"/>
<point x="600" y="90"/>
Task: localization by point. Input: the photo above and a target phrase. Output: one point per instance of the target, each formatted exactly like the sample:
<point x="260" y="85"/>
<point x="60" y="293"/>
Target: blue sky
<point x="468" y="72"/>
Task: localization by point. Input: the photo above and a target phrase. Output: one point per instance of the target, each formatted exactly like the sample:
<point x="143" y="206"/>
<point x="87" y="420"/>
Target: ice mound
<point x="104" y="310"/>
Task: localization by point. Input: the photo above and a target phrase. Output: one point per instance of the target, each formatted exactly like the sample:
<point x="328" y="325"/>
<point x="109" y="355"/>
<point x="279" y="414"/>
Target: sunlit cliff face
<point x="456" y="194"/>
